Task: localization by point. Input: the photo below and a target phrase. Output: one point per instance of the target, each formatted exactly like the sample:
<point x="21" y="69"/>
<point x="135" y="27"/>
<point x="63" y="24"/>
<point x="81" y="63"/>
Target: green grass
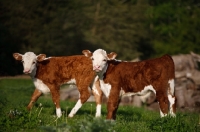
<point x="15" y="95"/>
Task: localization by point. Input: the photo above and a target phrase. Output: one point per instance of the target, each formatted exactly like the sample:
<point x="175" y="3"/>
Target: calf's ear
<point x="17" y="56"/>
<point x="112" y="56"/>
<point x="87" y="53"/>
<point x="41" y="57"/>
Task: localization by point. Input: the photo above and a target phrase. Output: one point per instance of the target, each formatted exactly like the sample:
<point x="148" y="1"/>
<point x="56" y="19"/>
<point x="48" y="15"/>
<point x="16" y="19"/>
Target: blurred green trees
<point x="174" y="26"/>
<point x="131" y="28"/>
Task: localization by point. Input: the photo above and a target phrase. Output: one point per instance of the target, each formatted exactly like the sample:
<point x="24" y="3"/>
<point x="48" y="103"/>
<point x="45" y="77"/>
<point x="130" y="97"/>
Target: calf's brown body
<point x="55" y="71"/>
<point x="132" y="77"/>
<point x="119" y="78"/>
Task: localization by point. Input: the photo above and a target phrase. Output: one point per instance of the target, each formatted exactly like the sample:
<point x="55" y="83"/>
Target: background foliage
<point x="131" y="28"/>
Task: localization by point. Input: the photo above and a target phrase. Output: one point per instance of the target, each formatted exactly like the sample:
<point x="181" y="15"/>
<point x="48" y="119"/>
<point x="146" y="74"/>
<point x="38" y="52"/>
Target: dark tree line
<point x="131" y="28"/>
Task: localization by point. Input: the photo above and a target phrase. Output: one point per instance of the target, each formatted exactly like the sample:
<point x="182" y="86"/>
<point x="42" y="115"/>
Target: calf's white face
<point x="29" y="60"/>
<point x="99" y="58"/>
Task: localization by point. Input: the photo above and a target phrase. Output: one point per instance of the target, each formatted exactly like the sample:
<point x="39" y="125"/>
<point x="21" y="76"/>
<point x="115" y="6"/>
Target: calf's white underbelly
<point x="107" y="87"/>
<point x="41" y="86"/>
<point x="44" y="88"/>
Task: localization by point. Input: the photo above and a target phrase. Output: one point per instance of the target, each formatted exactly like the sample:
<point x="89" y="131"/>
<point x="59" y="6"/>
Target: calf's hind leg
<point x="172" y="99"/>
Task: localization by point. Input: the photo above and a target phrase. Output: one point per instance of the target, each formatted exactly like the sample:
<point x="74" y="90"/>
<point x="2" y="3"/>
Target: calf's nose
<point x="26" y="71"/>
<point x="96" y="67"/>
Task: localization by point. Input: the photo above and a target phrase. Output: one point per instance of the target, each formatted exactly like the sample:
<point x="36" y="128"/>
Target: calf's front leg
<point x="112" y="104"/>
<point x="36" y="94"/>
<point x="98" y="94"/>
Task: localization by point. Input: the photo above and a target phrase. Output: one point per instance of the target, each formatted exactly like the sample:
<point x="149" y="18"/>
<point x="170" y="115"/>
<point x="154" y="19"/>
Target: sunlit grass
<point x="15" y="95"/>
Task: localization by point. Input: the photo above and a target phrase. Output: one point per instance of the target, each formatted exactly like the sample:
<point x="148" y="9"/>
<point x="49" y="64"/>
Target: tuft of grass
<point x="182" y="122"/>
<point x="87" y="124"/>
<point x="19" y="119"/>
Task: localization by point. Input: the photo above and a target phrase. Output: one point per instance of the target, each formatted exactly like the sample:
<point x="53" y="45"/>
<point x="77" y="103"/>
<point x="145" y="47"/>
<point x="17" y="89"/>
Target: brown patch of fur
<point x="56" y="71"/>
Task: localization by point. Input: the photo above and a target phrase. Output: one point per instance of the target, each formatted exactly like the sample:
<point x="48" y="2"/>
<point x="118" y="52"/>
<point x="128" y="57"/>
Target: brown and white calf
<point x="119" y="78"/>
<point x="48" y="74"/>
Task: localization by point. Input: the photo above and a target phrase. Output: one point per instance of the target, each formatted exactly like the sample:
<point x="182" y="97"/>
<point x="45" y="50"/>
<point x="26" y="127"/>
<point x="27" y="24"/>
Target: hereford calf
<point x="134" y="78"/>
<point x="48" y="74"/>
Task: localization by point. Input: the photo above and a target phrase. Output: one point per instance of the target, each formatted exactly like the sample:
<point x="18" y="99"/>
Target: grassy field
<point x="15" y="95"/>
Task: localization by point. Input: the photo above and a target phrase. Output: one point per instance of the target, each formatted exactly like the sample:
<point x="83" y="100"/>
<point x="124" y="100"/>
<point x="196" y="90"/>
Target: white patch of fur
<point x="75" y="109"/>
<point x="162" y="114"/>
<point x="105" y="88"/>
<point x="120" y="60"/>
<point x="94" y="87"/>
<point x="98" y="111"/>
<point x="171" y="102"/>
<point x="95" y="90"/>
<point x="72" y="81"/>
<point x="58" y="112"/>
<point x="171" y="98"/>
<point x="171" y="84"/>
<point x="47" y="58"/>
<point x="143" y="92"/>
<point x="148" y="88"/>
<point x="41" y="86"/>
